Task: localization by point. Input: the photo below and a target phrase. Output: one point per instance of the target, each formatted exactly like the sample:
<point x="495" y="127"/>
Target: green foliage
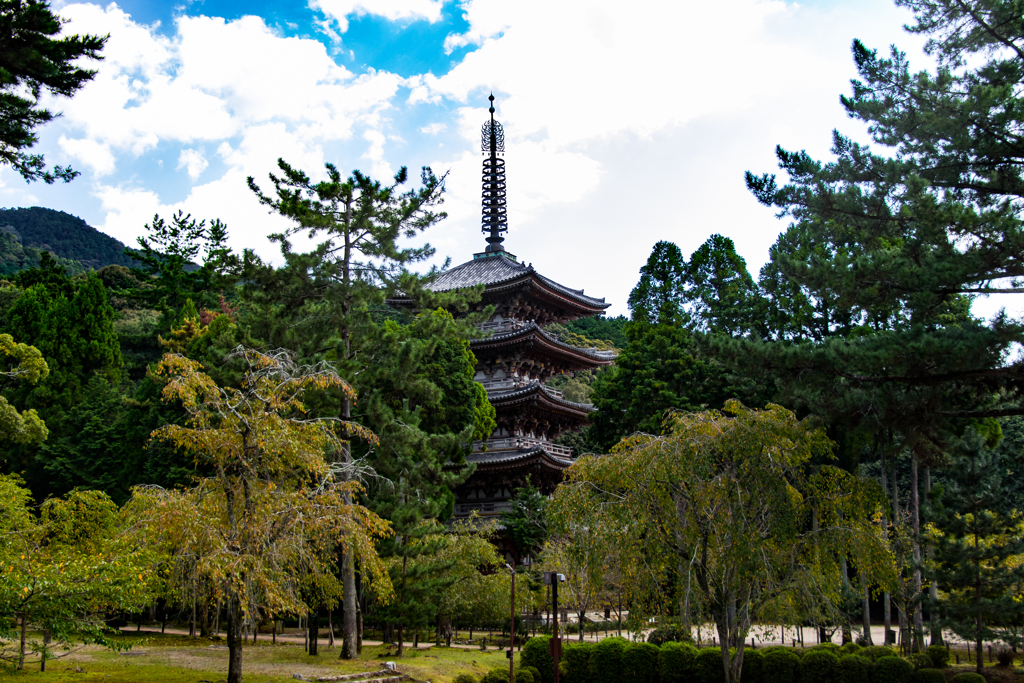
<point x="676" y="662"/>
<point x="21" y="363"/>
<point x="498" y="675"/>
<point x="854" y="669"/>
<point x="524" y="676"/>
<point x="535" y="672"/>
<point x="874" y="652"/>
<point x="640" y="663"/>
<point x="659" y="296"/>
<point x="64" y="236"/>
<point x="920" y="660"/>
<point x="753" y="666"/>
<point x="525" y="522"/>
<point x="722" y="296"/>
<point x="928" y="676"/>
<point x="536" y="653"/>
<point x="600" y="328"/>
<point x="818" y="666"/>
<point x="605" y="663"/>
<point x="574" y="665"/>
<point x="781" y="665"/>
<point x="37" y="62"/>
<point x="708" y="666"/>
<point x="939" y="656"/>
<point x="891" y="670"/>
<point x="671" y="633"/>
<point x="851" y="648"/>
<point x="968" y="677"/>
<point x="465" y="678"/>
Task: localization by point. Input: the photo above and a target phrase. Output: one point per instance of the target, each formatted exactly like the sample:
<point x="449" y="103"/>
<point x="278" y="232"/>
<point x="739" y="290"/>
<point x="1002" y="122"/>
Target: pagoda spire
<point x="494" y="219"/>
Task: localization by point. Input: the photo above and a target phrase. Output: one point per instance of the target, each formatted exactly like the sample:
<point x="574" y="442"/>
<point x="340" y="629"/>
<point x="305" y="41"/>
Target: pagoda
<point x="516" y="357"/>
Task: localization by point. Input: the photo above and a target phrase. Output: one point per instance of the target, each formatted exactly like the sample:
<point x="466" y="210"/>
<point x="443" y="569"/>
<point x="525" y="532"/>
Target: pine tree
<point x="659" y="295"/>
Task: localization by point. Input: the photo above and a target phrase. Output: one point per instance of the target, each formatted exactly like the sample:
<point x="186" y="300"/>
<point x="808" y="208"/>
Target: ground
<point x="179" y="659"/>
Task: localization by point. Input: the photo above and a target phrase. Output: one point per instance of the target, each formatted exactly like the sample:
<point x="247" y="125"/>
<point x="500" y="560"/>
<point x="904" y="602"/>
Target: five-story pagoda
<point x="517" y="357"/>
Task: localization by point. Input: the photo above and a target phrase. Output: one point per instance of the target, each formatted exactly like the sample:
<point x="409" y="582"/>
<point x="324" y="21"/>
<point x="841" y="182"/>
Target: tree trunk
<point x="21" y="655"/>
<point x="933" y="585"/>
<point x="866" y="612"/>
<point x="917" y="642"/>
<point x="314" y="630"/>
<point x="234" y="638"/>
<point x="401" y="636"/>
<point x="348" y="607"/>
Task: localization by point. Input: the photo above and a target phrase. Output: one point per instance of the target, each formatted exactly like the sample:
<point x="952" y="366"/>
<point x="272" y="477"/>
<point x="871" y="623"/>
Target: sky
<point x="625" y="123"/>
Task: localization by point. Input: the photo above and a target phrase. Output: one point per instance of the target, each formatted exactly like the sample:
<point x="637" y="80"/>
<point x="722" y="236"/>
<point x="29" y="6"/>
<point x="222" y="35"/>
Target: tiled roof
<point x="498" y="270"/>
<point x="535" y="388"/>
<point x="509" y="456"/>
<point x="603" y="356"/>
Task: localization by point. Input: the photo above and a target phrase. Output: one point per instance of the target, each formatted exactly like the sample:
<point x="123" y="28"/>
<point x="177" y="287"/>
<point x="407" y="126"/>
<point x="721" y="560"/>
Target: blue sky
<point x="626" y="123"/>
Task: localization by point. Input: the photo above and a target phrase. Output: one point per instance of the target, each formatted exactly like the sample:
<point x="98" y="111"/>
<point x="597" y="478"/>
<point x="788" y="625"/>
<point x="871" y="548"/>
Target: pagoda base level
<point x="500" y="472"/>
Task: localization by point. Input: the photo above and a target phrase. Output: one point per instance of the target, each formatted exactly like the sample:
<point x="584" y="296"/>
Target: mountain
<point x="24" y="232"/>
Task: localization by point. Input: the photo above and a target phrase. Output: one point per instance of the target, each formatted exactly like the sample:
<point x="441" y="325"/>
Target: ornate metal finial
<point x="495" y="220"/>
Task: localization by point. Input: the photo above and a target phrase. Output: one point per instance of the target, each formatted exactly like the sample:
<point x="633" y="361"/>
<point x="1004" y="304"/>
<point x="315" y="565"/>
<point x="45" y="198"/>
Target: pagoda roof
<point x="514" y="458"/>
<point x="535" y="391"/>
<point x="498" y="272"/>
<point x="533" y="331"/>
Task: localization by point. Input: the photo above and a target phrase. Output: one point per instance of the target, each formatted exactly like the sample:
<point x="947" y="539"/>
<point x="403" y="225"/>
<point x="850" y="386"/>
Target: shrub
<point x="874" y="652"/>
<point x="892" y="670"/>
<point x="969" y="677"/>
<point x="920" y="661"/>
<point x="708" y="666"/>
<point x="536" y="653"/>
<point x="753" y="666"/>
<point x="831" y="647"/>
<point x="671" y="633"/>
<point x="523" y="676"/>
<point x="819" y="666"/>
<point x="928" y="676"/>
<point x="781" y="665"/>
<point x="850" y="649"/>
<point x="640" y="663"/>
<point x="496" y="676"/>
<point x="535" y="672"/>
<point x="1005" y="657"/>
<point x="605" y="664"/>
<point x="464" y="678"/>
<point x="676" y="662"/>
<point x="939" y="656"/>
<point x="854" y="669"/>
<point x="573" y="664"/>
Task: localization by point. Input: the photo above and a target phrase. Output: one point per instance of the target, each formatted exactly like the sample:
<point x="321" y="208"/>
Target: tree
<point x="722" y="297"/>
<point x="33" y="61"/>
<point x="732" y="505"/>
<point x="29" y="366"/>
<point x="65" y="563"/>
<point x="977" y="547"/>
<point x="272" y="504"/>
<point x="525" y="522"/>
<point x="659" y="295"/>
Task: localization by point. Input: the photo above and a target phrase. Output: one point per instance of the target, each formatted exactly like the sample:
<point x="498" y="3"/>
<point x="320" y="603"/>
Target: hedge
<point x="497" y="676"/>
<point x="537" y="678"/>
<point x="818" y="666"/>
<point x="640" y="663"/>
<point x="524" y="676"/>
<point x="753" y="666"/>
<point x="781" y="665"/>
<point x="536" y="653"/>
<point x="850" y="649"/>
<point x="969" y="677"/>
<point x="939" y="655"/>
<point x="573" y="664"/>
<point x="708" y="666"/>
<point x="605" y="663"/>
<point x="928" y="676"/>
<point x="892" y="670"/>
<point x="854" y="669"/>
<point x="464" y="678"/>
<point x="920" y="661"/>
<point x="676" y="663"/>
<point x="874" y="652"/>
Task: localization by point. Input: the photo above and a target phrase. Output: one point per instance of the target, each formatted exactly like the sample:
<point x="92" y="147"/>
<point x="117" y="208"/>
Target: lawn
<point x="179" y="659"/>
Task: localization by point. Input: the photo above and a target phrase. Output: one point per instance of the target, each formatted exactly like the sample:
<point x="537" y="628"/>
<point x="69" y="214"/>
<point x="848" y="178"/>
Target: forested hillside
<point x="25" y="232"/>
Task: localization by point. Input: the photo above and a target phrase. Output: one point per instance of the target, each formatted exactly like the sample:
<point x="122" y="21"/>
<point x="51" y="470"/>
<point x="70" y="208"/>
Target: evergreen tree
<point x="723" y="298"/>
<point x="977" y="547"/>
<point x="525" y="522"/>
<point x="34" y="61"/>
<point x="659" y="295"/>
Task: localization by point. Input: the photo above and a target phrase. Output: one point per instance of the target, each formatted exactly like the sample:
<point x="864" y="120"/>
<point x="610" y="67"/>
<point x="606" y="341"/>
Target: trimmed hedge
<point x="676" y="663"/>
<point x="497" y="676"/>
<point x="464" y="678"/>
<point x="781" y="665"/>
<point x="640" y="663"/>
<point x="524" y="676"/>
<point x="831" y="647"/>
<point x="573" y="666"/>
<point x="920" y="661"/>
<point x="928" y="676"/>
<point x="892" y="670"/>
<point x="536" y="653"/>
<point x="819" y="666"/>
<point x="874" y="652"/>
<point x="537" y="678"/>
<point x="708" y="666"/>
<point x="854" y="669"/>
<point x="753" y="666"/>
<point x="939" y="655"/>
<point x="850" y="649"/>
<point x="605" y="663"/>
<point x="969" y="677"/>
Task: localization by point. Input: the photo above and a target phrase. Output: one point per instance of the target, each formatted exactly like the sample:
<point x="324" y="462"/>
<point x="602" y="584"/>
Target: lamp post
<point x="553" y="579"/>
<point x="512" y="626"/>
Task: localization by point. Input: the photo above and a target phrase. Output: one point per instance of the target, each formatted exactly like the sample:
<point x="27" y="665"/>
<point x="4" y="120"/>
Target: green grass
<point x="179" y="659"/>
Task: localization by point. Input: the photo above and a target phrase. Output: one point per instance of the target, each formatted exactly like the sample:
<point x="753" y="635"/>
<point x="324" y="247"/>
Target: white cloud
<point x="95" y="155"/>
<point x="433" y="128"/>
<point x="193" y="161"/>
<point x="393" y="10"/>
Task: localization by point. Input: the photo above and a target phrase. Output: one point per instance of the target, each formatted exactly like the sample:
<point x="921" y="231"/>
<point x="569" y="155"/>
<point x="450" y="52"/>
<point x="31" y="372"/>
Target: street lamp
<point x="553" y="579"/>
<point x="512" y="626"/>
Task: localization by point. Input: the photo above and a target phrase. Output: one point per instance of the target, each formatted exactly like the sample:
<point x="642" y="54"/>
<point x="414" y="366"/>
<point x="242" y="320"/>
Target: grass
<point x="179" y="659"/>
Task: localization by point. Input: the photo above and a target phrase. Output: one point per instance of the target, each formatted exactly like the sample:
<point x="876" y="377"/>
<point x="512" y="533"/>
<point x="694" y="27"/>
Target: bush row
<point x="616" y="660"/>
